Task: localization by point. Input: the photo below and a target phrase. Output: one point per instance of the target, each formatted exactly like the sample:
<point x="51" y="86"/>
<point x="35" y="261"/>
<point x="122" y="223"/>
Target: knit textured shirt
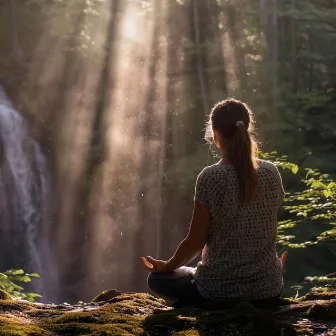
<point x="239" y="260"/>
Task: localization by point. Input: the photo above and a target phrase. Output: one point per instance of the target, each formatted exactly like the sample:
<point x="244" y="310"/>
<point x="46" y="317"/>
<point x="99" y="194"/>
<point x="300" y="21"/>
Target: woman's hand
<point x="154" y="265"/>
<point x="283" y="258"/>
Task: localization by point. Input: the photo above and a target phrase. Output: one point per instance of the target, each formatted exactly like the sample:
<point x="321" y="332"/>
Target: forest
<point x="103" y="105"/>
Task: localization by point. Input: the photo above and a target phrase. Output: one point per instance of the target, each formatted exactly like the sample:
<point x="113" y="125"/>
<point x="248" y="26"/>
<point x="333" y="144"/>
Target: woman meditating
<point x="234" y="222"/>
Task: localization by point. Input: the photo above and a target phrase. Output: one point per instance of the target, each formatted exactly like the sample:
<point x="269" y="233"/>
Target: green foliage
<point x="322" y="284"/>
<point x="9" y="280"/>
<point x="315" y="203"/>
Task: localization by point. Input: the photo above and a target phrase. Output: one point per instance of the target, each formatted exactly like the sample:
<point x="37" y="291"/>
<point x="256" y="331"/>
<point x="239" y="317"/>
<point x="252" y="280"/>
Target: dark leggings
<point x="180" y="287"/>
<point x="176" y="286"/>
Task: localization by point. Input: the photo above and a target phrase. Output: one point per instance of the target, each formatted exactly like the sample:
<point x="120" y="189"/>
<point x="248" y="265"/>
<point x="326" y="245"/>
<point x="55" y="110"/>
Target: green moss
<point x="4" y="295"/>
<point x="103" y="321"/>
<point x="123" y="328"/>
<point x="92" y="329"/>
<point x="70" y="328"/>
<point x="190" y="332"/>
<point x="304" y="331"/>
<point x="22" y="330"/>
<point x="12" y="325"/>
<point x="14" y="305"/>
<point x="243" y="317"/>
<point x="81" y="328"/>
<point x="318" y="296"/>
<point x="325" y="311"/>
<point x="88" y="317"/>
<point x="40" y="313"/>
<point x="98" y="316"/>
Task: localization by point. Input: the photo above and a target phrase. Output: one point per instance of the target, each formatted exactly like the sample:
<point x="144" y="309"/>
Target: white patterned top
<point x="239" y="260"/>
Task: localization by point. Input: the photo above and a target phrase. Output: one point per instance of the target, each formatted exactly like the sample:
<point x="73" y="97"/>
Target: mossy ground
<point x="142" y="314"/>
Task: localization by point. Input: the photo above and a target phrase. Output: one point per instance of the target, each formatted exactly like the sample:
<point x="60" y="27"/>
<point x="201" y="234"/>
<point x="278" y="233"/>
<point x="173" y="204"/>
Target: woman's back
<point x="239" y="259"/>
<point x="234" y="221"/>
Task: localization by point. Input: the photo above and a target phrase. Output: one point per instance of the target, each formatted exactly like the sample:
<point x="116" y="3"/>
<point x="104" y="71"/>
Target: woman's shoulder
<point x="267" y="165"/>
<point x="213" y="170"/>
<point x="215" y="167"/>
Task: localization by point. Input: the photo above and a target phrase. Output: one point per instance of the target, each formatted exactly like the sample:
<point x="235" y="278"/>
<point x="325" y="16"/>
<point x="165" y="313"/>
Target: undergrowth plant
<point x="316" y="202"/>
<point x="9" y="283"/>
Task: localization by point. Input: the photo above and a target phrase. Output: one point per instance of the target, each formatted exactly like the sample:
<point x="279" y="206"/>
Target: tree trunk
<point x="200" y="65"/>
<point x="275" y="52"/>
<point x="235" y="28"/>
<point x="269" y="24"/>
<point x="14" y="25"/>
<point x="294" y="52"/>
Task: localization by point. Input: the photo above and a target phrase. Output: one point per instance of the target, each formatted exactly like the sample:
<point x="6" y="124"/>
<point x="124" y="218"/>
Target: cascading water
<point x="24" y="189"/>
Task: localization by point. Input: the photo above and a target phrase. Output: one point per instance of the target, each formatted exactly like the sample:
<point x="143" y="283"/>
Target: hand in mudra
<point x="159" y="266"/>
<point x="154" y="265"/>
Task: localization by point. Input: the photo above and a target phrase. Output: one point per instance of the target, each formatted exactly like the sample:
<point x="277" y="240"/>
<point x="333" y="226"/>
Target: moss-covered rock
<point x="15" y="306"/>
<point x="190" y="332"/>
<point x="4" y="295"/>
<point x="323" y="310"/>
<point x="241" y="318"/>
<point x="139" y="314"/>
<point x="107" y="295"/>
<point x="318" y="296"/>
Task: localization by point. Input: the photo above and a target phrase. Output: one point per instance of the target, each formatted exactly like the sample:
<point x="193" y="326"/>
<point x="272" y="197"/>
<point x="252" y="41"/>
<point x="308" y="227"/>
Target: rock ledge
<point x="114" y="313"/>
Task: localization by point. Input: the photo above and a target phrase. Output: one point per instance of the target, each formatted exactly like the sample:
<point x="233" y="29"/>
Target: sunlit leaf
<point x="26" y="278"/>
<point x="17" y="272"/>
<point x="10" y="289"/>
<point x="327" y="193"/>
<point x="295" y="169"/>
<point x="35" y="275"/>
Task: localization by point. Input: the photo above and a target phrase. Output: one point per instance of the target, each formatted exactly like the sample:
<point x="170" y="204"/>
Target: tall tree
<point x="14" y="23"/>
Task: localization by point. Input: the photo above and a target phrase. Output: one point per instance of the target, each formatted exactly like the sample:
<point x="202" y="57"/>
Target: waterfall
<point x="24" y="190"/>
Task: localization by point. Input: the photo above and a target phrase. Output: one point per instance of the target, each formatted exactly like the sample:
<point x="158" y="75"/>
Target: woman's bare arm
<point x="197" y="237"/>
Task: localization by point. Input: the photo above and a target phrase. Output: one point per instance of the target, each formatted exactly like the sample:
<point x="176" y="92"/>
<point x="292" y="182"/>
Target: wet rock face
<point x="24" y="194"/>
<point x="115" y="313"/>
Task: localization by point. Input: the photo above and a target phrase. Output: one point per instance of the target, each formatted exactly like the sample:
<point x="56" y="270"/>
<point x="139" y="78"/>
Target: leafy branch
<point x="316" y="202"/>
<point x="9" y="280"/>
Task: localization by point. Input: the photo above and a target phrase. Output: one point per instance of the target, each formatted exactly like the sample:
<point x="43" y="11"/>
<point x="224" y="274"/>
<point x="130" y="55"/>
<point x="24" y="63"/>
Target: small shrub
<point x="9" y="280"/>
